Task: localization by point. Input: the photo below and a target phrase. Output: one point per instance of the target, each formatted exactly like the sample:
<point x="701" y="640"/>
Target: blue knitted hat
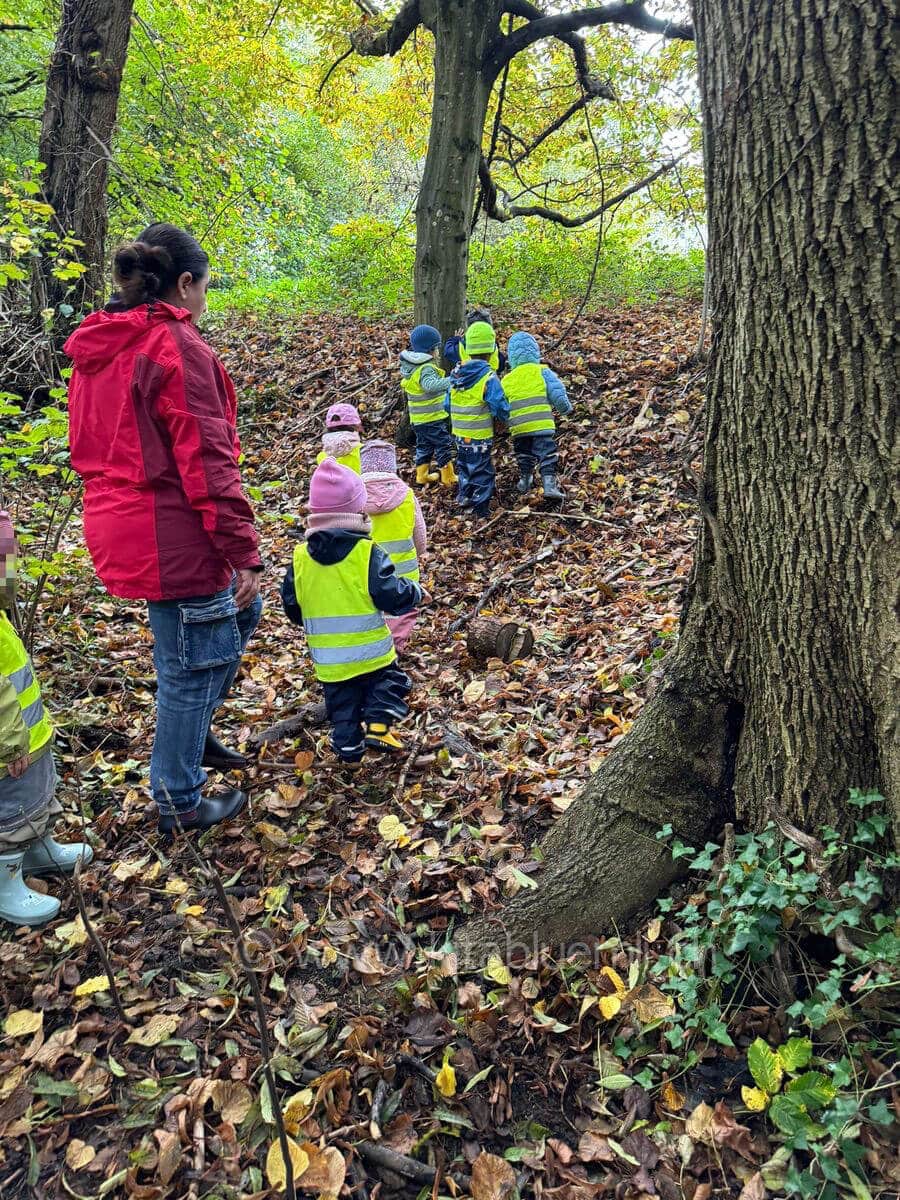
<point x="424" y="338"/>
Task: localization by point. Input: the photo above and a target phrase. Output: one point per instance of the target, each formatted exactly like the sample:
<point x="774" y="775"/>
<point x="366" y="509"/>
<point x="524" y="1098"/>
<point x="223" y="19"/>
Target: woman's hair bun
<point x="148" y="268"/>
<point x="141" y="272"/>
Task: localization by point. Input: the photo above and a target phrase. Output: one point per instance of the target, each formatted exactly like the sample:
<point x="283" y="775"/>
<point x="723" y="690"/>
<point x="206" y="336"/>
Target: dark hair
<point x="478" y="314"/>
<point x="148" y="268"/>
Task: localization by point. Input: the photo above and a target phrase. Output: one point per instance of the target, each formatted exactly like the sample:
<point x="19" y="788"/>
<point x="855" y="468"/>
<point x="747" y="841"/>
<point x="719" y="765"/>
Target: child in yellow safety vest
<point x="533" y="392"/>
<point x="398" y="526"/>
<point x="28" y="807"/>
<point x="425" y="385"/>
<point x="341" y="439"/>
<point x="338" y="587"/>
<point x="476" y="400"/>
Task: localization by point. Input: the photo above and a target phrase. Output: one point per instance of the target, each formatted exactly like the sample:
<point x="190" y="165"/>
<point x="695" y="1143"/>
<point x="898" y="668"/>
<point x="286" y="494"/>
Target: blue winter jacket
<point x="468" y="373"/>
<point x="524" y="349"/>
<point x="391" y="593"/>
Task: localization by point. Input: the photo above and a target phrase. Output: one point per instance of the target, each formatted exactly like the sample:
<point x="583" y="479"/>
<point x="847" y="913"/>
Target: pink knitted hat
<point x="378" y="455"/>
<point x="7" y="532"/>
<point x="336" y="489"/>
<point x="342" y="414"/>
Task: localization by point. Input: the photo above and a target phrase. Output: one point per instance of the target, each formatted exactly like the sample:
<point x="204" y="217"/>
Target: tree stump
<point x="491" y="638"/>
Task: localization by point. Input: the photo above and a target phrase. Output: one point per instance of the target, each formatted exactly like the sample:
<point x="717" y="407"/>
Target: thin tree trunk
<point x="785" y="680"/>
<point x="462" y="29"/>
<point x="79" y="117"/>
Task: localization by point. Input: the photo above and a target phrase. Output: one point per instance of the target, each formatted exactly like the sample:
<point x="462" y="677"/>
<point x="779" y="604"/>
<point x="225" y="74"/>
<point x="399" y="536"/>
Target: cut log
<point x="507" y="640"/>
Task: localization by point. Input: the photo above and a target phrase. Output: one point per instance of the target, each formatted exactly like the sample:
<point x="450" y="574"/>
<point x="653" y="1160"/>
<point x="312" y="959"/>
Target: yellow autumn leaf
<point x="193" y="910"/>
<point x="22" y="1023"/>
<point x="392" y="830"/>
<point x="79" y="1154"/>
<point x="298" y="1109"/>
<point x="473" y="691"/>
<point x="586" y="1004"/>
<point x="97" y="983"/>
<point x="175" y="887"/>
<point x="616" y="980"/>
<point x="329" y="955"/>
<point x="755" y="1098"/>
<point x="609" y="1006"/>
<point x="619" y="480"/>
<point x="446" y="1079"/>
<point x="10" y="1081"/>
<point x="73" y="933"/>
<point x="497" y="970"/>
<point x="650" y="1004"/>
<point x="654" y="929"/>
<point x="682" y="416"/>
<point x="275" y="1168"/>
<point x="672" y="1098"/>
<point x="157" y="1029"/>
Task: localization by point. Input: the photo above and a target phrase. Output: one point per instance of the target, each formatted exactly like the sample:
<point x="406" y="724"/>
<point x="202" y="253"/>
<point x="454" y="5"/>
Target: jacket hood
<point x="330" y="546"/>
<point x="522" y="348"/>
<point x="102" y="336"/>
<point x="410" y="359"/>
<point x="385" y="491"/>
<point x="468" y="373"/>
<point x="340" y="443"/>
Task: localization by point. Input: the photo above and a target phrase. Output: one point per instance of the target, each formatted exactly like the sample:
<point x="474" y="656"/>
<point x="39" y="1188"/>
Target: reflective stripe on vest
<point x="526" y="391"/>
<point x="493" y="362"/>
<point x="423" y="409"/>
<point x="15" y="665"/>
<point x="470" y="417"/>
<point x="393" y="532"/>
<point x="345" y="632"/>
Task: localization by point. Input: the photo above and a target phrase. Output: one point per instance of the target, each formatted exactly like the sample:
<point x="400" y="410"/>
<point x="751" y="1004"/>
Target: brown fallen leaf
<point x="369" y="965"/>
<point x="754" y="1188"/>
<point x="169" y="1153"/>
<point x="326" y="1171"/>
<point x="492" y="1178"/>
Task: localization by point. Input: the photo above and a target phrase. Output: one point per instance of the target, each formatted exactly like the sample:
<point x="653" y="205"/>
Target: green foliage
<point x="772" y="901"/>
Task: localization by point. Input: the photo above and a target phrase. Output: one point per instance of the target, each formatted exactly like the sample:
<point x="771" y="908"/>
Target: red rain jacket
<point x="152" y="432"/>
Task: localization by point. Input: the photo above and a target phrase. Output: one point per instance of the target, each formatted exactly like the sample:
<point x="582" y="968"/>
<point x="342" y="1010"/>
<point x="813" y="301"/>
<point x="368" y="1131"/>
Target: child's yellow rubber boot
<point x="379" y="737"/>
<point x="424" y="474"/>
<point x="448" y="475"/>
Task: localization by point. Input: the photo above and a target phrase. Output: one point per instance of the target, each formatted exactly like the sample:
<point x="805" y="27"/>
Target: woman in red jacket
<point x="152" y="428"/>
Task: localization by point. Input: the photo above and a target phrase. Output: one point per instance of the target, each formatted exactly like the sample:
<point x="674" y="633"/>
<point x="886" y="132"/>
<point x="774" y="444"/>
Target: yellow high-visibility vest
<point x="393" y="532"/>
<point x="346" y="633"/>
<point x="423" y="409"/>
<point x="470" y="417"/>
<point x="529" y="408"/>
<point x="350" y="460"/>
<point x="16" y="666"/>
<point x="493" y="361"/>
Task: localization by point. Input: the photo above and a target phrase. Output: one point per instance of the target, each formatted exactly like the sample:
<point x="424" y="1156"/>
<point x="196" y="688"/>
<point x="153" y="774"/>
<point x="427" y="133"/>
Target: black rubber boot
<point x="551" y="488"/>
<point x="221" y="757"/>
<point x="526" y="483"/>
<point x="211" y="810"/>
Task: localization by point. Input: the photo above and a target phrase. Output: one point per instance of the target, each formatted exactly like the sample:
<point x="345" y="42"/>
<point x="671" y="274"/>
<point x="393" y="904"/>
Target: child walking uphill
<point x="398" y="526"/>
<point x="533" y="392"/>
<point x="426" y="386"/>
<point x="476" y="400"/>
<point x="28" y="807"/>
<point x="338" y="586"/>
<point x="341" y="439"/>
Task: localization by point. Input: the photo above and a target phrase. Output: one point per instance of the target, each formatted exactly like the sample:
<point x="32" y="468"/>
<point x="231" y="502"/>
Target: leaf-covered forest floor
<point x="349" y="886"/>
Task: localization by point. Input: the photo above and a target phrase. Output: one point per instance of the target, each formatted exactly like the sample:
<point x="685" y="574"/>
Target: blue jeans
<point x="433" y="441"/>
<point x="197" y="648"/>
<point x="475" y="468"/>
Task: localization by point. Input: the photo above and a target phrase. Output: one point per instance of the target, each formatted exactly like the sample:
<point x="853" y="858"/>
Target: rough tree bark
<point x="79" y="116"/>
<point x="785" y="680"/>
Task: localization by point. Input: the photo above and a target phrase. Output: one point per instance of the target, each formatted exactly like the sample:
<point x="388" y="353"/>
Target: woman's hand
<point x="19" y="766"/>
<point x="247" y="587"/>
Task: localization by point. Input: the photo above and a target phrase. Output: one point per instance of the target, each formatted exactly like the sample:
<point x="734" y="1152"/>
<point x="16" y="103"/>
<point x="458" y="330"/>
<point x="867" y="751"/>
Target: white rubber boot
<point x="47" y="857"/>
<point x="18" y="903"/>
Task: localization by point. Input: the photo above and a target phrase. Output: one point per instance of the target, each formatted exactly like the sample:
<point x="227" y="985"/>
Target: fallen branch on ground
<point x="495" y="587"/>
<point x="308" y="716"/>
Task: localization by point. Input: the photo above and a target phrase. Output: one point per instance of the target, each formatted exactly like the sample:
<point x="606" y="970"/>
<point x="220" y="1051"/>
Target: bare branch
<point x="599" y="90"/>
<point x="498" y="212"/>
<point x="368" y="41"/>
<point x="334" y="66"/>
<point x="630" y="12"/>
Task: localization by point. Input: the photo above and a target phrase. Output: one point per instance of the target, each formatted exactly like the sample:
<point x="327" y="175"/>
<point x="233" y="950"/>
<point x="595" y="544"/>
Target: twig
<point x="407" y="1168"/>
<point x="209" y="870"/>
<point x="503" y="581"/>
<point x="309" y="714"/>
<point x="410" y="759"/>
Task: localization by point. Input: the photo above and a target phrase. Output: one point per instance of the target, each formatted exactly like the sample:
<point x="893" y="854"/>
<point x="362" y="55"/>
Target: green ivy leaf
<point x="795" y="1053"/>
<point x="765" y="1066"/>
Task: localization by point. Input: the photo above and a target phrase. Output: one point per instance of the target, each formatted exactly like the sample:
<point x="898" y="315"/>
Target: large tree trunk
<point x="463" y="30"/>
<point x="784" y="685"/>
<point x="79" y="117"/>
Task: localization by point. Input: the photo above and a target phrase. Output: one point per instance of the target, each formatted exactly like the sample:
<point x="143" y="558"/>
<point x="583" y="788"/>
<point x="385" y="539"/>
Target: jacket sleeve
<point x="556" y="391"/>
<point x="420" y="530"/>
<point x="196" y="405"/>
<point x="431" y="383"/>
<point x="451" y="350"/>
<point x="14" y="739"/>
<point x="391" y="593"/>
<point x="495" y="399"/>
<point x="289" y="597"/>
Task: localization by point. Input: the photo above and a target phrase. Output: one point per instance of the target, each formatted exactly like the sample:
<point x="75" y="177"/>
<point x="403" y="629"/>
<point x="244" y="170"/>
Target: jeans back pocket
<point x="208" y="634"/>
